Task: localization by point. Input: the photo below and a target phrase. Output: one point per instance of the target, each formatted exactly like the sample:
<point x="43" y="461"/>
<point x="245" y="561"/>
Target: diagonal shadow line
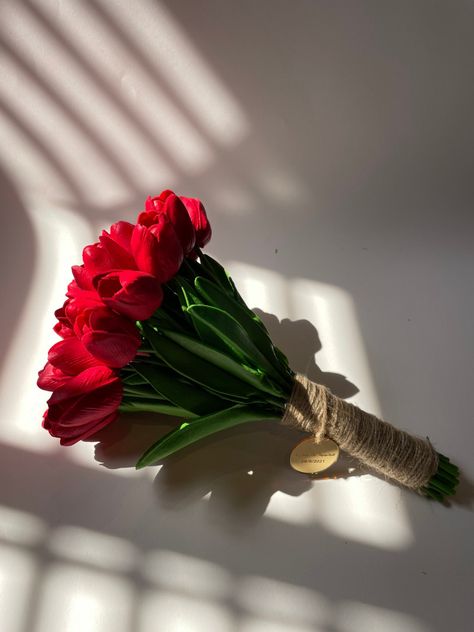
<point x="103" y="84"/>
<point x="125" y="209"/>
<point x="52" y="160"/>
<point x="65" y="503"/>
<point x="78" y="121"/>
<point x="110" y="22"/>
<point x="44" y="562"/>
<point x="17" y="255"/>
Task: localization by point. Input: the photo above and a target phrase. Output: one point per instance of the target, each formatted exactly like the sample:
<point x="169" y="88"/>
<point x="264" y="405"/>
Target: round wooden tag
<point x="311" y="457"/>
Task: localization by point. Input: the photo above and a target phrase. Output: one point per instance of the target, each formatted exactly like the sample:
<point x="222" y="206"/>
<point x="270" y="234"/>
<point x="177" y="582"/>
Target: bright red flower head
<point x="79" y="301"/>
<point x="63" y="327"/>
<point x="131" y="293"/>
<point x="50" y="378"/>
<point x="83" y="405"/>
<point x="119" y="282"/>
<point x="110" y="338"/>
<point x="66" y="358"/>
<point x="112" y="252"/>
<point x="171" y="206"/>
<point x="71" y="357"/>
<point x="157" y="249"/>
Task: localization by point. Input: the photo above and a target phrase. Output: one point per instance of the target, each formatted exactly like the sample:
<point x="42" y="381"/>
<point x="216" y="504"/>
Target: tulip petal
<point x="198" y="216"/>
<point x="131" y="293"/>
<point x="86" y="381"/>
<point x="82" y="277"/>
<point x="113" y="349"/>
<point x="97" y="259"/>
<point x="156" y="203"/>
<point x="178" y="216"/>
<point x="169" y="249"/>
<point x="121" y="232"/>
<point x="88" y="431"/>
<point x="70" y="356"/>
<point x="87" y="408"/>
<point x="148" y="218"/>
<point x="157" y="250"/>
<point x="63" y="327"/>
<point x="145" y="249"/>
<point x="50" y="378"/>
<point x="64" y="331"/>
<point x="104" y="319"/>
<point x="120" y="257"/>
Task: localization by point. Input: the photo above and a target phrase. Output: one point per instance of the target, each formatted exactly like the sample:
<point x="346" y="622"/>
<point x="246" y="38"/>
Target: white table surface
<point x="332" y="143"/>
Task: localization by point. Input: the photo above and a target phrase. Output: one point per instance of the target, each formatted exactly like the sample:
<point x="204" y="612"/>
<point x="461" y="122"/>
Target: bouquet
<point x="151" y="323"/>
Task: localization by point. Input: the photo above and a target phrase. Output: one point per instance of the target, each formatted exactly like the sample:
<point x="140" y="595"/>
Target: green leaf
<point x="141" y="392"/>
<point x="133" y="379"/>
<point x="185" y="395"/>
<point x="236" y="293"/>
<point x="223" y="361"/>
<point x="222" y="331"/>
<point x="194" y="268"/>
<point x="152" y="406"/>
<point x="186" y="293"/>
<point x="282" y="358"/>
<point x="214" y="295"/>
<point x="172" y="305"/>
<point x="219" y="330"/>
<point x="252" y="324"/>
<point x="197" y="369"/>
<point x="187" y="434"/>
<point x="168" y="318"/>
<point x="216" y="271"/>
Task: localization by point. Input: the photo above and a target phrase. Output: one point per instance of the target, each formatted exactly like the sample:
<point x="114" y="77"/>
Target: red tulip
<point x="157" y="202"/>
<point x="121" y="257"/>
<point x="198" y="216"/>
<point x="154" y="207"/>
<point x="50" y="378"/>
<point x="110" y="338"/>
<point x="170" y="205"/>
<point x="121" y="233"/>
<point x="157" y="249"/>
<point x="82" y="278"/>
<point x="111" y="253"/>
<point x="80" y="300"/>
<point x="63" y="327"/>
<point x="97" y="260"/>
<point x="119" y="282"/>
<point x="66" y="358"/>
<point x="83" y="405"/>
<point x="131" y="293"/>
<point x="70" y="356"/>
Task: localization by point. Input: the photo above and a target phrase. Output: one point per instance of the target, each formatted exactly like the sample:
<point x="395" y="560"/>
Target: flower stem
<point x="444" y="481"/>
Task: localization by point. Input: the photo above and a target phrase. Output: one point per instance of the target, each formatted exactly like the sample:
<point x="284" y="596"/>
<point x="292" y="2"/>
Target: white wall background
<point x="332" y="143"/>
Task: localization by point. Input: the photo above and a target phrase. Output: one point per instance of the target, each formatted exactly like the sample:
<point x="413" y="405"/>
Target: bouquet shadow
<point x="237" y="470"/>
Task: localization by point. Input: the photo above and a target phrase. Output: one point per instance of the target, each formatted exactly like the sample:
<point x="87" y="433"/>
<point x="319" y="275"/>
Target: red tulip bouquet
<point x="150" y="323"/>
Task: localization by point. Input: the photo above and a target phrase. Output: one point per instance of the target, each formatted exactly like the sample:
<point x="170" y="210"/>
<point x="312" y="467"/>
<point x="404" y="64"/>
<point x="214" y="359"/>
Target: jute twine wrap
<point x="313" y="408"/>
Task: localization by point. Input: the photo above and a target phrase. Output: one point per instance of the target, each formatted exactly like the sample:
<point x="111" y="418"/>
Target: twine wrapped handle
<point x="391" y="452"/>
